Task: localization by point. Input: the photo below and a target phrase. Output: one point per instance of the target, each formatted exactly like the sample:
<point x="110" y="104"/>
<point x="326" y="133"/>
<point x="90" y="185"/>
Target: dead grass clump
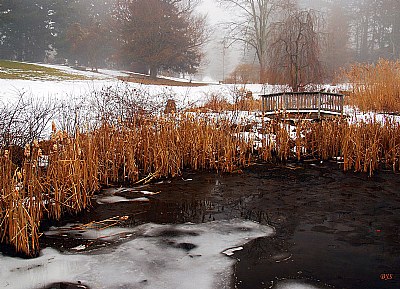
<point x="71" y="174"/>
<point x="363" y="147"/>
<point x="61" y="181"/>
<point x="163" y="146"/>
<point x="217" y="103"/>
<point x="21" y="210"/>
<point x="144" y="79"/>
<point x="376" y="87"/>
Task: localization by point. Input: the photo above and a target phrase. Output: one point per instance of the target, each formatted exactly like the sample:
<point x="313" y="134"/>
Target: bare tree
<point x="244" y="73"/>
<point x="25" y="120"/>
<point x="254" y="23"/>
<point x="295" y="49"/>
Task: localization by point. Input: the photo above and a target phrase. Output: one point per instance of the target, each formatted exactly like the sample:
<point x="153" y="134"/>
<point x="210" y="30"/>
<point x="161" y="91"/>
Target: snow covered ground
<point x="78" y="91"/>
<point x="185" y="96"/>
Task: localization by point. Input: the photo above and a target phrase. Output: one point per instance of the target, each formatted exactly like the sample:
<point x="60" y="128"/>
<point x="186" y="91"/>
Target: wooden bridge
<point x="310" y="104"/>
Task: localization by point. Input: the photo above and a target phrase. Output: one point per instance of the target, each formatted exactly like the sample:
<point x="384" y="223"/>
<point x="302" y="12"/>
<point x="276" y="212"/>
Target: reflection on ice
<point x="154" y="256"/>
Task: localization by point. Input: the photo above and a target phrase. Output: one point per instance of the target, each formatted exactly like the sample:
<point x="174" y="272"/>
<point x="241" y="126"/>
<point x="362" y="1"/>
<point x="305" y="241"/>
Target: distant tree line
<point x="361" y="31"/>
<point x="146" y="35"/>
<point x="297" y="45"/>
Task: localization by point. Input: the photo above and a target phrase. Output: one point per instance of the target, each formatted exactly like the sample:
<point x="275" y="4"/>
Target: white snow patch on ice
<point x="109" y="196"/>
<point x="153" y="259"/>
<point x="111" y="200"/>
<point x="293" y="284"/>
<point x="119" y="199"/>
<point x="232" y="251"/>
<point x="142" y="199"/>
<point x="149" y="193"/>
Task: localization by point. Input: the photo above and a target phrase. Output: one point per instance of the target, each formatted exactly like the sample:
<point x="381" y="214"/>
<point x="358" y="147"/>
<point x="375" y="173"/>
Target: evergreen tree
<point x="25" y="29"/>
<point x="161" y="35"/>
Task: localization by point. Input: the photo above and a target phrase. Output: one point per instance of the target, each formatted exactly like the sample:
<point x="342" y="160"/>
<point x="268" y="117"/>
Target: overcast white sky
<point x="217" y="63"/>
<point x="211" y="8"/>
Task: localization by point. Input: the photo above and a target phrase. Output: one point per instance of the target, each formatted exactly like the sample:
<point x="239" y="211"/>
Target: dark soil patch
<point x="145" y="79"/>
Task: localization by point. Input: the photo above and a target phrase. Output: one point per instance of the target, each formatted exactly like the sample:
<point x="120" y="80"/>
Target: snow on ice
<point x="154" y="256"/>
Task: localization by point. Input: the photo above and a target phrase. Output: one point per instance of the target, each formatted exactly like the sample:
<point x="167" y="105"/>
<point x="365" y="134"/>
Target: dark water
<point x="333" y="229"/>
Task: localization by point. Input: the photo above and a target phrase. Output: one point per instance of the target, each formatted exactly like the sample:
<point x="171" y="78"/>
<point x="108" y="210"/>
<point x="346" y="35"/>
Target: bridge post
<point x="319" y="104"/>
<point x="341" y="104"/>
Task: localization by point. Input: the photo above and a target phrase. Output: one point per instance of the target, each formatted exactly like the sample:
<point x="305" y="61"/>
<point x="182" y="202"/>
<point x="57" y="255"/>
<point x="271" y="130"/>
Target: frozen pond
<point x="293" y="226"/>
<point x="147" y="256"/>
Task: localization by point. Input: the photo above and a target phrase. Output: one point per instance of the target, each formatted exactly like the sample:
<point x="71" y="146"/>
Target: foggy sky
<point x="220" y="62"/>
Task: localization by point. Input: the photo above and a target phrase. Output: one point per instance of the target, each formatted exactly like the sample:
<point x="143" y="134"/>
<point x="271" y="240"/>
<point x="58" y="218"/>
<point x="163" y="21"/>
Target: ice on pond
<point x="118" y="199"/>
<point x="109" y="196"/>
<point x="91" y="233"/>
<point x="111" y="200"/>
<point x="293" y="284"/>
<point x="155" y="256"/>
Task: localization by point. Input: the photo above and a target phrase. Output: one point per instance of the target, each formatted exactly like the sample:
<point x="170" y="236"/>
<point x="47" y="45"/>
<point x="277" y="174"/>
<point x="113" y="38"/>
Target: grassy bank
<point x="27" y="71"/>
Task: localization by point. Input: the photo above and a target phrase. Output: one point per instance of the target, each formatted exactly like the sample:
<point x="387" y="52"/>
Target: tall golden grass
<point x="375" y="87"/>
<point x="243" y="100"/>
<point x="148" y="147"/>
<point x="77" y="165"/>
<point x="363" y="147"/>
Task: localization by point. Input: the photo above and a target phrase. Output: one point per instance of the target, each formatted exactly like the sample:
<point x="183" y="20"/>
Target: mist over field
<point x="223" y="40"/>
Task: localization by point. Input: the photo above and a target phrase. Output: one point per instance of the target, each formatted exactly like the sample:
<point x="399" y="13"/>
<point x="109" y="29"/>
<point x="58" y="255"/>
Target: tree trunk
<point x="153" y="72"/>
<point x="262" y="74"/>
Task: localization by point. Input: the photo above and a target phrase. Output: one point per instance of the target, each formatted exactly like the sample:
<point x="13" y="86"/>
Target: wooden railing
<point x="303" y="102"/>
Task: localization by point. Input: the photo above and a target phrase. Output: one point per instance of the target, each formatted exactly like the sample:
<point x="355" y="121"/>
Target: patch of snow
<point x="149" y="193"/>
<point x="160" y="256"/>
<point x="293" y="284"/>
<point x="111" y="200"/>
<point x="232" y="251"/>
<point x="101" y="74"/>
<point x="356" y="116"/>
<point x="79" y="248"/>
<point x="119" y="199"/>
<point x="142" y="199"/>
<point x="109" y="196"/>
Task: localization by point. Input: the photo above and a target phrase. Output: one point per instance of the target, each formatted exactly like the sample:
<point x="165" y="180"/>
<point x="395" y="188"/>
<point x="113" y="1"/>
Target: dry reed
<point x="375" y="87"/>
<point x="363" y="147"/>
<point x="138" y="151"/>
<point x="148" y="147"/>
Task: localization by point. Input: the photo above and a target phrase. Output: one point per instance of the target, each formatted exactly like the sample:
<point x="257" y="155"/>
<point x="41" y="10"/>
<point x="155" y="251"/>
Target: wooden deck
<point x="310" y="104"/>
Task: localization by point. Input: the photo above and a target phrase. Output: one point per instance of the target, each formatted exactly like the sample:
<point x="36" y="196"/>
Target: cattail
<point x="27" y="151"/>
